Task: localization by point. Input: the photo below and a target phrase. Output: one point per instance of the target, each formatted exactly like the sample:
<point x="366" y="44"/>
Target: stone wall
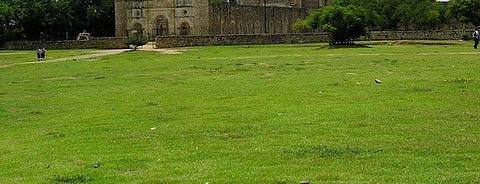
<point x="229" y="19"/>
<point x="182" y="41"/>
<point x="417" y="35"/>
<point x="100" y="43"/>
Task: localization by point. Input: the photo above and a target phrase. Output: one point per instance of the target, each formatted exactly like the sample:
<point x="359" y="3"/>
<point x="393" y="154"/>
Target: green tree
<point x="466" y="11"/>
<point x="344" y="23"/>
<point x="42" y="19"/>
<point x="6" y="14"/>
<point x="420" y="14"/>
<point x="388" y="14"/>
<point x="385" y="10"/>
<point x="100" y="18"/>
<point x="59" y="19"/>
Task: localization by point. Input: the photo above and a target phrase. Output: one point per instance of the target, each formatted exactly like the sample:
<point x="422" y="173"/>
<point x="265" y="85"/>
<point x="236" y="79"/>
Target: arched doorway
<point x="185" y="28"/>
<point x="137" y="30"/>
<point x="161" y="26"/>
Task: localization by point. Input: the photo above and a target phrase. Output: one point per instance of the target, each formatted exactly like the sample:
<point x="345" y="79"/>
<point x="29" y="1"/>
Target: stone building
<point x="152" y="18"/>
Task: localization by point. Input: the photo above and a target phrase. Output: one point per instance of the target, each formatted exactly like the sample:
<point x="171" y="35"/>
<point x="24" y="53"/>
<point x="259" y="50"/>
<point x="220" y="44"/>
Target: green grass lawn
<point x="244" y="114"/>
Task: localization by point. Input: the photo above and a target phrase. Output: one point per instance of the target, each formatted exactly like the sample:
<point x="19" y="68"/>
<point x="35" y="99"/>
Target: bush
<point x="136" y="42"/>
<point x="466" y="37"/>
<point x="301" y="25"/>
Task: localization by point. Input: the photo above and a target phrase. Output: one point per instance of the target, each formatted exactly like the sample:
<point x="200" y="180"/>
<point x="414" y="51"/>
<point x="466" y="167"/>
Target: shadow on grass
<point x="365" y="44"/>
<point x="342" y="46"/>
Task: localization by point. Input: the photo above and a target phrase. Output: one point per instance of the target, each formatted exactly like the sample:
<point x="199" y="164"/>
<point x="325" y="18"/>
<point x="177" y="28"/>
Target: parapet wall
<point x="246" y="39"/>
<point x="182" y="41"/>
<point x="417" y="35"/>
<point x="100" y="43"/>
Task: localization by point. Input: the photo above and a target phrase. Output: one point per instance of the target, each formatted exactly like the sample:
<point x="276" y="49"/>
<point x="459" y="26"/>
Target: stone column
<point x="121" y="18"/>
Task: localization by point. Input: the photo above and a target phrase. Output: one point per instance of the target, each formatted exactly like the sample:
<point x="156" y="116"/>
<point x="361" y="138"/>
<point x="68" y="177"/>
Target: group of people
<point x="41" y="54"/>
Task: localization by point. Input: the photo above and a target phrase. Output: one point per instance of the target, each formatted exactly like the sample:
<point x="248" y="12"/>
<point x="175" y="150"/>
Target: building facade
<point x="152" y="18"/>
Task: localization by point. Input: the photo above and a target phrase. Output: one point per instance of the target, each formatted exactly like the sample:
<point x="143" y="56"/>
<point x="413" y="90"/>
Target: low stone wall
<point x="100" y="43"/>
<point x="417" y="35"/>
<point x="182" y="41"/>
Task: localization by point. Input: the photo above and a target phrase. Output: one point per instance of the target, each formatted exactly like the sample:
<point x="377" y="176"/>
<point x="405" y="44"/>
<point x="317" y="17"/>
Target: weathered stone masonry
<point x="152" y="18"/>
<point x="244" y="39"/>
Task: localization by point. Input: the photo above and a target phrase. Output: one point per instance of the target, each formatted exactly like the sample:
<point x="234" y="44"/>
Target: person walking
<point x="42" y="54"/>
<point x="39" y="53"/>
<point x="476" y="36"/>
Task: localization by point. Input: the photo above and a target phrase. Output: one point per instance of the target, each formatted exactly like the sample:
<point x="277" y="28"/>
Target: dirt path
<point x="101" y="53"/>
<point x="97" y="54"/>
<point x="150" y="47"/>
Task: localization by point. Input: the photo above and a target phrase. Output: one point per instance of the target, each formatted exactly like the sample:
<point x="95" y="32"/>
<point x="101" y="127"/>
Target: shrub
<point x="301" y="25"/>
<point x="466" y="37"/>
<point x="135" y="42"/>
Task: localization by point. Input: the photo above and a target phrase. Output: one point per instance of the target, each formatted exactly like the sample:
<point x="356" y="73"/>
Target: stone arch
<point x="240" y="28"/>
<point x="257" y="27"/>
<point x="224" y="26"/>
<point x="271" y="27"/>
<point x="233" y="27"/>
<point x="286" y="29"/>
<point x="279" y="27"/>
<point x="185" y="28"/>
<point x="249" y="27"/>
<point x="161" y="26"/>
<point x="137" y="30"/>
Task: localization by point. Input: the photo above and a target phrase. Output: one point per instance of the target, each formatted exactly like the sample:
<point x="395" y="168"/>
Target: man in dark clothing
<point x="476" y="36"/>
<point x="42" y="54"/>
<point x="39" y="52"/>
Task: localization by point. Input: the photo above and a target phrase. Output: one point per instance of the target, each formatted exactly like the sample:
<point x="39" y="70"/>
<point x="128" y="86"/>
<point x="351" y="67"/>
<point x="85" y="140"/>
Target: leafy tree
<point x="42" y="19"/>
<point x="384" y="9"/>
<point x="6" y="13"/>
<point x="466" y="11"/>
<point x="344" y="23"/>
<point x="430" y="15"/>
<point x="411" y="14"/>
<point x="57" y="19"/>
<point x="420" y="14"/>
<point x="100" y="18"/>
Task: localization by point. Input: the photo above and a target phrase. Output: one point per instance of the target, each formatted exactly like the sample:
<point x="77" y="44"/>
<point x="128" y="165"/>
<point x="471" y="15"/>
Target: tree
<point x="100" y="18"/>
<point x="466" y="11"/>
<point x="420" y="14"/>
<point x="344" y="23"/>
<point x="56" y="19"/>
<point x="6" y="14"/>
<point x="42" y="19"/>
<point x="386" y="18"/>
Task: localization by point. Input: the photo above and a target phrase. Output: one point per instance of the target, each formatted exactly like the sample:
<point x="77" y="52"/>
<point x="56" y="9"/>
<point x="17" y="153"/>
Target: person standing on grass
<point x="39" y="52"/>
<point x="476" y="36"/>
<point x="42" y="53"/>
